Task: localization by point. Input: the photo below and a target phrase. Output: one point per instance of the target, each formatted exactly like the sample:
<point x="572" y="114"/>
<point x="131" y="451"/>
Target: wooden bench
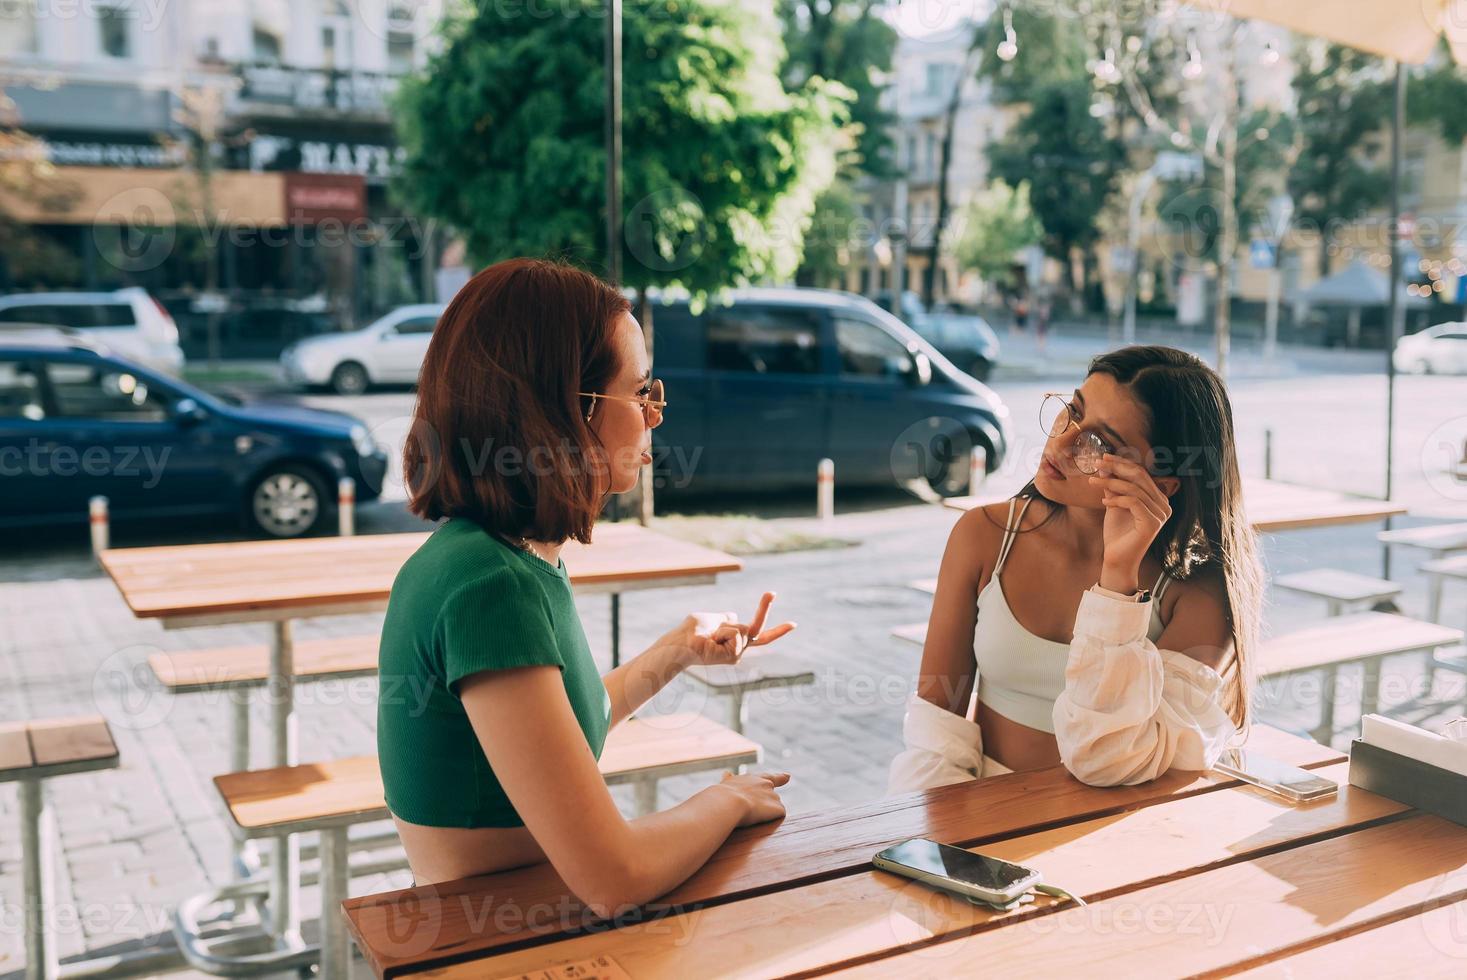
<point x="331" y="796"/>
<point x="762" y="672"/>
<point x="928" y="585"/>
<point x="1361" y="638"/>
<point x="1341" y="590"/>
<point x="1440" y="540"/>
<point x="32" y="752"/>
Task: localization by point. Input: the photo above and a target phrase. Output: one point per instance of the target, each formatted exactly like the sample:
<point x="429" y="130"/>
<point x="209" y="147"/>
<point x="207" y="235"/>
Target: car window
<point x="81" y="316"/>
<point x="763" y="341"/>
<point x="20" y="391"/>
<point x="416" y="325"/>
<point x="867" y="351"/>
<point x="103" y="392"/>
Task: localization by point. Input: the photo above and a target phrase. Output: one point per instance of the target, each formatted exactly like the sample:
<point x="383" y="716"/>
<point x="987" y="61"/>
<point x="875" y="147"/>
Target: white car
<point x="388" y="351"/>
<point x="127" y="321"/>
<point x="1441" y="349"/>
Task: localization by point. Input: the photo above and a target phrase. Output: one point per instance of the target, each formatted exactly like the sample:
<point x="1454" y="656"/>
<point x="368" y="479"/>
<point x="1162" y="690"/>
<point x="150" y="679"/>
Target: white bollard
<point x="346" y="502"/>
<point x="977" y="469"/>
<point x="825" y="489"/>
<point x="101" y="529"/>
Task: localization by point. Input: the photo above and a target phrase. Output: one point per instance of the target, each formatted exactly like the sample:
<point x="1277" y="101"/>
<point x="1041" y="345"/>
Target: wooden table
<point x="1441" y="542"/>
<point x="1191" y="872"/>
<point x="1275" y="506"/>
<point x="280" y="581"/>
<point x="32" y="752"/>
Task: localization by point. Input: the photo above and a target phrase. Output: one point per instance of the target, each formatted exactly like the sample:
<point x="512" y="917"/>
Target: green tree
<point x="831" y="236"/>
<point x="503" y="140"/>
<point x="997" y="224"/>
<point x="1072" y="165"/>
<point x="846" y="41"/>
<point x="1343" y="103"/>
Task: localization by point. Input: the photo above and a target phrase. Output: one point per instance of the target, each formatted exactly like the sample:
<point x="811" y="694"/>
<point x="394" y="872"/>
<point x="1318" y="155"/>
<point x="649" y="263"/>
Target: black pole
<point x="1393" y="294"/>
<point x="613" y="172"/>
<point x="613" y="141"/>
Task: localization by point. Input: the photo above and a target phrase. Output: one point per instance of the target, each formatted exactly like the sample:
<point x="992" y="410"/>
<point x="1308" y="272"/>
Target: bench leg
<point x="35" y="862"/>
<point x="646" y="795"/>
<point x="738" y="712"/>
<point x="1434" y="598"/>
<point x="1334" y="607"/>
<point x="1326" y="730"/>
<point x="335" y="951"/>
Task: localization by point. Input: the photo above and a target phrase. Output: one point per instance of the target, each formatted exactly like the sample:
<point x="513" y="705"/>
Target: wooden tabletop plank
<point x="1454" y="567"/>
<point x="15" y="746"/>
<point x="798" y="850"/>
<point x="63" y="741"/>
<point x="1432" y="944"/>
<point x="1433" y="537"/>
<point x="872" y="912"/>
<point x="1340" y="639"/>
<point x="658" y="741"/>
<point x="1219" y="919"/>
<point x="237" y="576"/>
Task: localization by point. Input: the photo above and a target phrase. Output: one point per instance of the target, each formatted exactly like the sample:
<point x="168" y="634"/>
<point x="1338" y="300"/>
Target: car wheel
<point x="349" y="378"/>
<point x="287" y="502"/>
<point x="949" y="478"/>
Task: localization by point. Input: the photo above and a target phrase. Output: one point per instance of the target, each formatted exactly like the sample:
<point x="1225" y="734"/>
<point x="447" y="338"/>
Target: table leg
<point x="615" y="629"/>
<point x="1324" y="734"/>
<point x="737" y="712"/>
<point x="1370" y="687"/>
<point x="335" y="952"/>
<point x="35" y="862"/>
<point x="239" y="761"/>
<point x="1434" y="597"/>
<point x="646" y="796"/>
<point x="284" y="869"/>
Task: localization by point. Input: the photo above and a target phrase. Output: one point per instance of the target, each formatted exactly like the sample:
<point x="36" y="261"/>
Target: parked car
<point x="388" y="351"/>
<point x="1441" y="349"/>
<point x="764" y="388"/>
<point x="965" y="339"/>
<point x="76" y="421"/>
<point x="128" y="321"/>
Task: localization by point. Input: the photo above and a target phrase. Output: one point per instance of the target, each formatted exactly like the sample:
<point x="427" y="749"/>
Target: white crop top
<point x="1020" y="675"/>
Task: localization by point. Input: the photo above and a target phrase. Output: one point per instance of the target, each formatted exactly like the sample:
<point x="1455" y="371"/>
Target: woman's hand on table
<point x="757" y="790"/>
<point x="719" y="638"/>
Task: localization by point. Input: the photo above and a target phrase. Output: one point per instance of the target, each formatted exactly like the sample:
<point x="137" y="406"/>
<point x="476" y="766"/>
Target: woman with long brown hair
<point x="535" y="402"/>
<point x="1065" y="658"/>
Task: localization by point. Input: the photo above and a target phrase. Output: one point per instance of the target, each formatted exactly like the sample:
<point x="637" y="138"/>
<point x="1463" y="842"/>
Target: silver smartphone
<point x="954" y="869"/>
<point x="1290" y="782"/>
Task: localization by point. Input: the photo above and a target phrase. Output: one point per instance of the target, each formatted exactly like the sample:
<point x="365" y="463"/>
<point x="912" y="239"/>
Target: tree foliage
<point x="503" y="135"/>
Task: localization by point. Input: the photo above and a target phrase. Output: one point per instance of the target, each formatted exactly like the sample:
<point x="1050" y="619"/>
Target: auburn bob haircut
<point x="499" y="434"/>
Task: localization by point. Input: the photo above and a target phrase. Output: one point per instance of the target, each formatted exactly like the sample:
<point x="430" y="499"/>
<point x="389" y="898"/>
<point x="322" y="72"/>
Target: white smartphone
<point x="1265" y="772"/>
<point x="954" y="869"/>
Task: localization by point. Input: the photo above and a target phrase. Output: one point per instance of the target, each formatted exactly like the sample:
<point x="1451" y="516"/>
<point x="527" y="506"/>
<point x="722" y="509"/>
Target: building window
<point x="328" y="47"/>
<point x="399" y="51"/>
<point x="18" y="29"/>
<point x="266" y="47"/>
<point x="114" y="31"/>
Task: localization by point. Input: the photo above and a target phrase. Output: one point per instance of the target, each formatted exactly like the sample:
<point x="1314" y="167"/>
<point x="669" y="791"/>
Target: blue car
<point x="76" y="421"/>
<point x="765" y="382"/>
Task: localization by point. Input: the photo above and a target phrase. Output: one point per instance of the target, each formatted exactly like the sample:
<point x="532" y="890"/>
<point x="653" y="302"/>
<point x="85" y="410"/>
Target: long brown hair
<point x="499" y="433"/>
<point x="1190" y="423"/>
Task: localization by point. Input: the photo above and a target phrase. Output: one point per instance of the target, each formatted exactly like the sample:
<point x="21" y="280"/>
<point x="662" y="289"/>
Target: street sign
<point x="1262" y="253"/>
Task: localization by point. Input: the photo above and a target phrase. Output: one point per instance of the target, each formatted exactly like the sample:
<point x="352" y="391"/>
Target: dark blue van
<point x="76" y="422"/>
<point x="761" y="388"/>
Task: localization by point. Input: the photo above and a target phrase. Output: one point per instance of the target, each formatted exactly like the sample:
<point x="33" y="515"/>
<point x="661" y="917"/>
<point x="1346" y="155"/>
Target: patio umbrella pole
<point x="1393" y="298"/>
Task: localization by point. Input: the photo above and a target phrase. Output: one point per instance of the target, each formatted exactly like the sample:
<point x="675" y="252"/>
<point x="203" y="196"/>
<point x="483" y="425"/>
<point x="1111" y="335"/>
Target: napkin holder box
<point x="1410" y="781"/>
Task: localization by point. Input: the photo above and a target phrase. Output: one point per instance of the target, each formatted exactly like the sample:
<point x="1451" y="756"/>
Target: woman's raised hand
<point x="719" y="638"/>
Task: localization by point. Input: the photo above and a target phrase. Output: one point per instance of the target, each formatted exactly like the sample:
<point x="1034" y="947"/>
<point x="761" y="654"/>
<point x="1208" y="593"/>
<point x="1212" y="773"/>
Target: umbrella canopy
<point x="1357" y="284"/>
<point x="1406" y="30"/>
